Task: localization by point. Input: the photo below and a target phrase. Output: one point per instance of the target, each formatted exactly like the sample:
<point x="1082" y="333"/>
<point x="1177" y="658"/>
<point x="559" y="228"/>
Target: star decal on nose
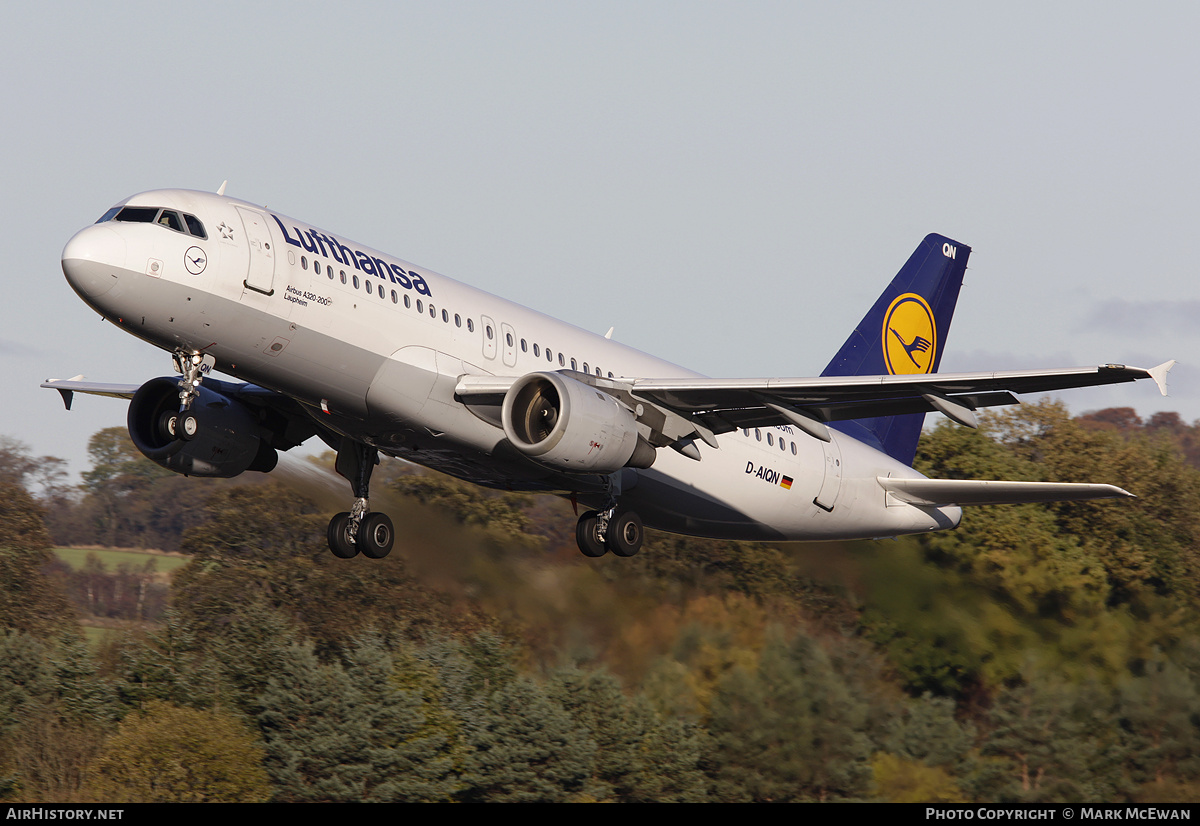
<point x="226" y="231"/>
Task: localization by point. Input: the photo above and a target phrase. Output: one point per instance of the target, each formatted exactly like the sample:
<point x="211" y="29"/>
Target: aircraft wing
<point x="836" y="398"/>
<point x="67" y="388"/>
<point x="973" y="492"/>
<point x="712" y="406"/>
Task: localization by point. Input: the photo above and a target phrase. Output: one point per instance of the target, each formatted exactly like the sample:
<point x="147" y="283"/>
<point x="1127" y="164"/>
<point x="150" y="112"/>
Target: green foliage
<point x="264" y="545"/>
<point x="640" y="757"/>
<point x="525" y="748"/>
<point x="502" y="514"/>
<point x="343" y="734"/>
<point x="898" y="780"/>
<point x="169" y="754"/>
<point x="53" y="712"/>
<point x="789" y="730"/>
<point x="29" y="601"/>
<point x="1060" y="741"/>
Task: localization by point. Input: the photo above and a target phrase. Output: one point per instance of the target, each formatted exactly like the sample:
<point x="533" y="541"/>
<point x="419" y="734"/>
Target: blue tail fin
<point x="904" y="332"/>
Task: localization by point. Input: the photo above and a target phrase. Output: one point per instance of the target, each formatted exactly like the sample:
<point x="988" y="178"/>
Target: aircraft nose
<point x="92" y="260"/>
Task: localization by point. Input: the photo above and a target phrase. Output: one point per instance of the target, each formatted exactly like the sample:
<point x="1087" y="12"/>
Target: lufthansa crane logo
<point x="195" y="260"/>
<point x="909" y="336"/>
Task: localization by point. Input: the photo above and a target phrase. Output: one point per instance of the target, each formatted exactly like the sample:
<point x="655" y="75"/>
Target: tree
<point x="525" y="748"/>
<point x="343" y="734"/>
<point x="789" y="730"/>
<point x="45" y="474"/>
<point x="29" y="600"/>
<point x="265" y="545"/>
<point x="117" y="485"/>
<point x="640" y="757"/>
<point x="169" y="754"/>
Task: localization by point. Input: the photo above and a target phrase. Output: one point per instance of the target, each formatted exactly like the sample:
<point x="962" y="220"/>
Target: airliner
<point x="373" y="355"/>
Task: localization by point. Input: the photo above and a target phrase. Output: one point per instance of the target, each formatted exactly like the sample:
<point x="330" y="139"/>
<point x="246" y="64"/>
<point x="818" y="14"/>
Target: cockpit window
<point x="194" y="226"/>
<point x="138" y="215"/>
<point x="178" y="221"/>
<point x="171" y="220"/>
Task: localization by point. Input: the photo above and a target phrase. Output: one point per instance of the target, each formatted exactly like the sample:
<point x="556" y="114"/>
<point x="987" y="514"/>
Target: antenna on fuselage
<point x="221" y="188"/>
<point x="610" y="332"/>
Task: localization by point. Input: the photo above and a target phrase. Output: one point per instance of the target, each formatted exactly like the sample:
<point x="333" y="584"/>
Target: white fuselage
<point x="373" y="347"/>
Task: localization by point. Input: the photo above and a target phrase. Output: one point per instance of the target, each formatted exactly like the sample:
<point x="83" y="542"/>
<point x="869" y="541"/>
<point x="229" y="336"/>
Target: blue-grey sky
<point x="730" y="185"/>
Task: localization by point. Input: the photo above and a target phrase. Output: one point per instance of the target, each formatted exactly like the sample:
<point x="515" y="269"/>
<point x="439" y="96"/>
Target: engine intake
<point x="227" y="443"/>
<point x="569" y="425"/>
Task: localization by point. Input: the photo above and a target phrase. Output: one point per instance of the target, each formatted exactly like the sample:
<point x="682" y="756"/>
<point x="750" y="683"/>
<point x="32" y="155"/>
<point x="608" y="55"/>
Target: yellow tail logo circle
<point x="909" y="336"/>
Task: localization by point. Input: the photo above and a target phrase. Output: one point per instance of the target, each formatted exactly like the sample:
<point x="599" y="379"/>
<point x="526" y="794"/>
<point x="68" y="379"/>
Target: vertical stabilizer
<point x="904" y="333"/>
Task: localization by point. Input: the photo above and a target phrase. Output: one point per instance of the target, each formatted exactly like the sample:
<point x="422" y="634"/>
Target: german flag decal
<point x="786" y="483"/>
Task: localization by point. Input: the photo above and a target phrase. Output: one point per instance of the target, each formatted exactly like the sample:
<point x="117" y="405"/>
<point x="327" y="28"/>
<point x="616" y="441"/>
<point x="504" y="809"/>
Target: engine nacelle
<point x="569" y="425"/>
<point x="226" y="443"/>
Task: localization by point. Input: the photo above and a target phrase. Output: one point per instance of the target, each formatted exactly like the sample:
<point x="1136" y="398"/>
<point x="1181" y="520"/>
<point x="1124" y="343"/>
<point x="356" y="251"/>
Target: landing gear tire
<point x="339" y="538"/>
<point x="624" y="535"/>
<point x="187" y="425"/>
<point x="376" y="535"/>
<point x="166" y="425"/>
<point x="588" y="537"/>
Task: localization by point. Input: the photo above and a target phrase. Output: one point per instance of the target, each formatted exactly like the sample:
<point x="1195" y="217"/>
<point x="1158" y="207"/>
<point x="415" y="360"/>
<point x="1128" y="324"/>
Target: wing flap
<point x="986" y="492"/>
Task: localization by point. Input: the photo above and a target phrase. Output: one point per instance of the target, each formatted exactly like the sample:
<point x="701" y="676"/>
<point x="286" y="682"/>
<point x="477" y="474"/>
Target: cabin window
<point x="508" y="339"/>
<point x="793" y="448"/>
<point x="490" y="334"/>
<point x="562" y="362"/>
<point x="407" y="301"/>
<point x="470" y="325"/>
<point x="304" y="262"/>
<point x="395" y="298"/>
<point x="457" y="320"/>
<point x="524" y="346"/>
<point x="421" y="307"/>
<point x="757" y="434"/>
<point x="343" y="272"/>
<point x="574" y="366"/>
<point x="354" y="278"/>
<point x="445" y="317"/>
<point x="770" y="440"/>
<point x="432" y="312"/>
<point x="536" y="351"/>
<point x="549" y="355"/>
<point x="585" y="367"/>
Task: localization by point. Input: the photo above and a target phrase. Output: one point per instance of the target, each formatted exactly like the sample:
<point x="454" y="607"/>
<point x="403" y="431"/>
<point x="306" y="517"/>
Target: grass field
<point x="75" y="557"/>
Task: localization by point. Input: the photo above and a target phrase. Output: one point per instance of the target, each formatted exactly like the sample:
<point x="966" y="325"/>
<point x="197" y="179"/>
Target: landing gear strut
<point x="360" y="529"/>
<point x="185" y="423"/>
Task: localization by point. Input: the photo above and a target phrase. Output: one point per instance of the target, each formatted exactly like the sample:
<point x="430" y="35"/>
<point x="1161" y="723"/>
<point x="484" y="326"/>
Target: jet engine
<point x="569" y="425"/>
<point x="218" y="437"/>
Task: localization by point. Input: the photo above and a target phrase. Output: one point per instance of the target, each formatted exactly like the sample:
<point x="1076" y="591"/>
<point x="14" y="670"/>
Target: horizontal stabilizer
<point x="977" y="492"/>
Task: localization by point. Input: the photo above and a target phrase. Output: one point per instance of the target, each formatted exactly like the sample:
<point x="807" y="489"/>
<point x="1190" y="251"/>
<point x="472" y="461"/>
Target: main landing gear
<point x="360" y="530"/>
<point x="599" y="532"/>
